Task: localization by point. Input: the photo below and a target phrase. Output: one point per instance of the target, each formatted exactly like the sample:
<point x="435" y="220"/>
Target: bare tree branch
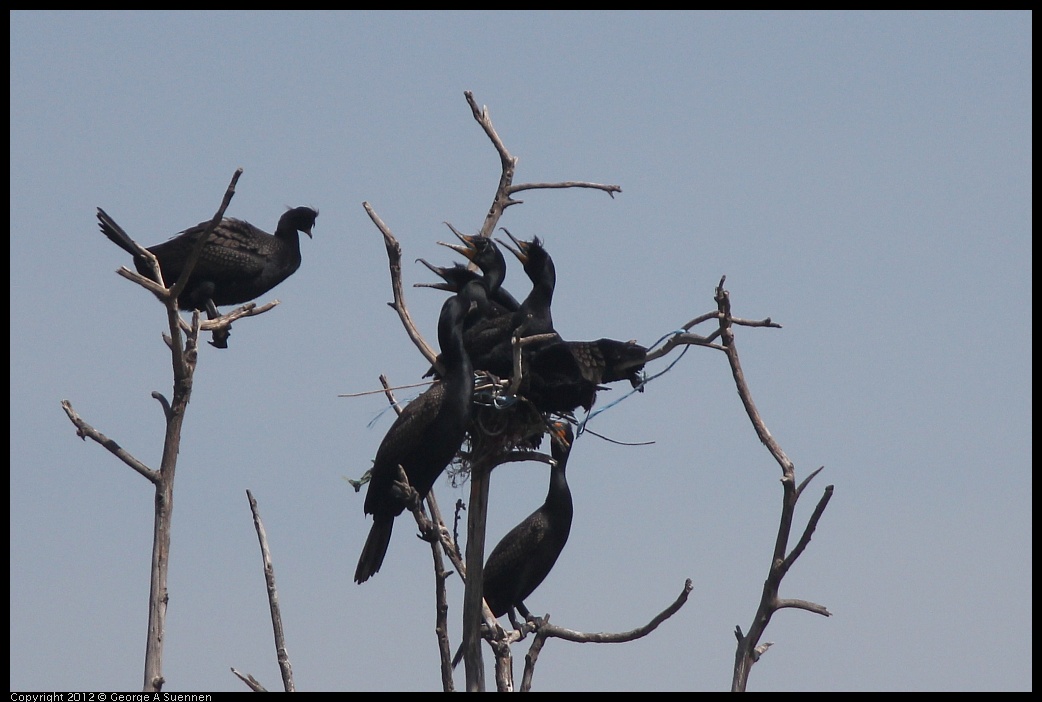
<point x="803" y="604"/>
<point x="610" y="189"/>
<point x="749" y="648"/>
<point x="807" y="480"/>
<point x="281" y="652"/>
<point x="184" y="355"/>
<point x="685" y="337"/>
<point x="197" y="251"/>
<point x="553" y="631"/>
<point x="502" y="199"/>
<point x="441" y="595"/>
<point x="152" y="286"/>
<point x="433" y="531"/>
<point x="545" y="630"/>
<point x="85" y="431"/>
<point x="812" y="524"/>
<point x="394" y="260"/>
<point x="250" y="681"/>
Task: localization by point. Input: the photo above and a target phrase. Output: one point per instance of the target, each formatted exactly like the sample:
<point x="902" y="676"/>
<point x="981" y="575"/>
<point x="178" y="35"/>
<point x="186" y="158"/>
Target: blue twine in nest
<point x="590" y="415"/>
<point x="495" y="400"/>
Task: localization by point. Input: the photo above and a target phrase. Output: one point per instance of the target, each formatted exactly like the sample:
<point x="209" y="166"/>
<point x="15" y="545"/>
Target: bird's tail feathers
<point x="375" y="548"/>
<point x="459" y="654"/>
<point x="115" y="233"/>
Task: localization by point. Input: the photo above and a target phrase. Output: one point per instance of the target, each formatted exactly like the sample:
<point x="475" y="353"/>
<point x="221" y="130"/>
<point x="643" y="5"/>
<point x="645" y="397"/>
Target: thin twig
<point x="545" y="630"/>
<point x="281" y="652"/>
<point x="86" y="431"/>
<point x="250" y="681"/>
<point x="394" y="260"/>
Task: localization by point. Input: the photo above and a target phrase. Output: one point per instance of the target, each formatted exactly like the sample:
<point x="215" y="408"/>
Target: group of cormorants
<point x="478" y="328"/>
<point x="557" y="376"/>
<point x="476" y="333"/>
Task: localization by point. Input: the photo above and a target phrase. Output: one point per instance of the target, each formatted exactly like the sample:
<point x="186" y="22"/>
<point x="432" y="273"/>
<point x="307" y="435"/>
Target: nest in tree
<point x="500" y="423"/>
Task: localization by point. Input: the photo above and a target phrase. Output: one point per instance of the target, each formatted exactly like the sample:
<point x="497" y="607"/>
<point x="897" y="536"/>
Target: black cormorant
<point x="238" y="263"/>
<point x="483" y="252"/>
<point x="557" y="376"/>
<point x="480" y="332"/>
<point x="423" y="439"/>
<point x="490" y="341"/>
<point x="524" y="557"/>
<point x="564" y="375"/>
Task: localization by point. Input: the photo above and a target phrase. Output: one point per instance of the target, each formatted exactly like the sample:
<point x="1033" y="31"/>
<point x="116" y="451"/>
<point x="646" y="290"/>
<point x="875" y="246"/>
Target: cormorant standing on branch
<point x="238" y="263"/>
<point x="423" y="439"/>
<point x="524" y="557"/>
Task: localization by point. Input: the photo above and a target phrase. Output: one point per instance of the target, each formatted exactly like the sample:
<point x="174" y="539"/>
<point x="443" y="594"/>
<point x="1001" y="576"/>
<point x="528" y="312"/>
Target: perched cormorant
<point x="483" y="252"/>
<point x="524" y="557"/>
<point x="423" y="439"/>
<point x="453" y="277"/>
<point x="564" y="375"/>
<point x="238" y="263"/>
<point x="557" y="375"/>
<point x="490" y="341"/>
<point x="479" y="331"/>
<point x="539" y="268"/>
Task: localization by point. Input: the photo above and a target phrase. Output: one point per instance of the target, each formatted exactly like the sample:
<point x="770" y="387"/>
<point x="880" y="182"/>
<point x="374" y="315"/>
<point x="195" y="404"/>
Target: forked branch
<point x="184" y="355"/>
<point x="749" y="648"/>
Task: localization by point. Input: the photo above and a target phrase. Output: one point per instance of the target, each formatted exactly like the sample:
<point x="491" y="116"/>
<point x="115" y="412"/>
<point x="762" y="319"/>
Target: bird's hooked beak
<point x="467" y="251"/>
<point x="307" y="229"/>
<point x="559" y="433"/>
<point x="440" y="272"/>
<point x="521" y="252"/>
<point x="462" y="237"/>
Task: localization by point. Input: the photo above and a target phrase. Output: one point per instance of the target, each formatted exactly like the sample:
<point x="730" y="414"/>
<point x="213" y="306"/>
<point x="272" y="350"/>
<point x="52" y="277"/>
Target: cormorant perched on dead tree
<point x="482" y="252"/>
<point x="423" y="439"/>
<point x="480" y="332"/>
<point x="239" y="262"/>
<point x="557" y="376"/>
<point x="564" y="375"/>
<point x="524" y="557"/>
<point x="489" y="342"/>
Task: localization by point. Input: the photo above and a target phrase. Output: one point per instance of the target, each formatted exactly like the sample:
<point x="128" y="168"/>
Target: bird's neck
<point x="459" y="371"/>
<point x="537" y="304"/>
<point x="559" y="494"/>
<point x="288" y="239"/>
<point x="494" y="278"/>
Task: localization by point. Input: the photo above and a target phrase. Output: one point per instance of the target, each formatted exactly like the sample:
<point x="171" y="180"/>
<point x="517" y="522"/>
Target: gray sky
<point x="862" y="178"/>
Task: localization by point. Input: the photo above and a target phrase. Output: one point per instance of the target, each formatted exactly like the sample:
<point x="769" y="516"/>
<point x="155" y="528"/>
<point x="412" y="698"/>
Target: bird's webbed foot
<point x="431" y="531"/>
<point x="530" y="619"/>
<point x="513" y="621"/>
<point x="531" y="623"/>
<point x="404" y="491"/>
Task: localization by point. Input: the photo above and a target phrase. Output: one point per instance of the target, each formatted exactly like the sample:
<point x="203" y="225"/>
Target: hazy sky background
<point x="862" y="178"/>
